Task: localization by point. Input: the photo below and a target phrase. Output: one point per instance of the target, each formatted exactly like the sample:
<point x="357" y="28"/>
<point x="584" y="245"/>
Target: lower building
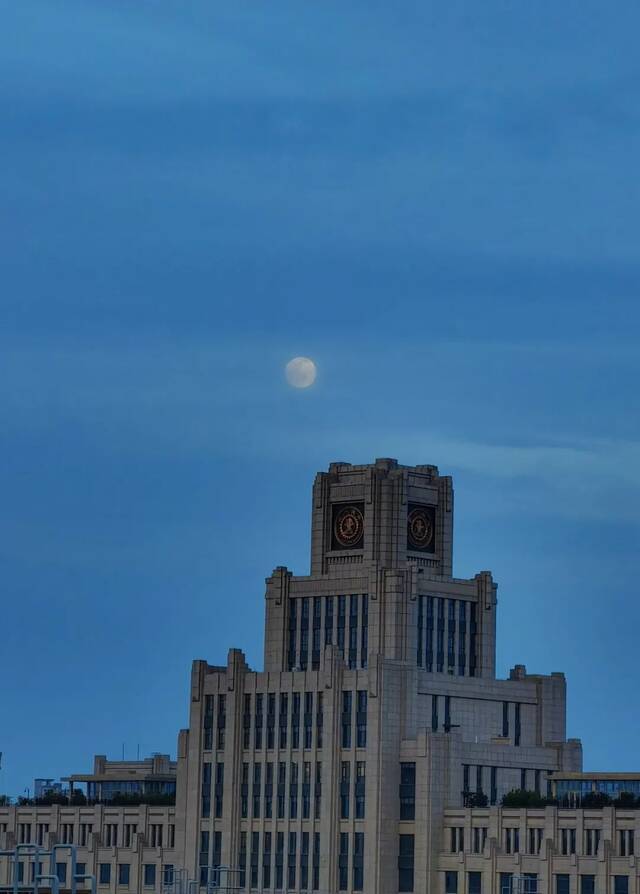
<point x="373" y="751"/>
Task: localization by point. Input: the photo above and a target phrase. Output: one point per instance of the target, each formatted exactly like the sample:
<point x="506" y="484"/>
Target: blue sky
<point x="438" y="203"/>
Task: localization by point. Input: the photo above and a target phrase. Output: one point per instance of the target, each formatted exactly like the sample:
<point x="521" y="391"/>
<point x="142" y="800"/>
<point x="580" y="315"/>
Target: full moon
<point x="301" y="372"/>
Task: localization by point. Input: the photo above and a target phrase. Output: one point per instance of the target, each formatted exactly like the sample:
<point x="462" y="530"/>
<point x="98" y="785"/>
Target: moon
<point x="301" y="372"/>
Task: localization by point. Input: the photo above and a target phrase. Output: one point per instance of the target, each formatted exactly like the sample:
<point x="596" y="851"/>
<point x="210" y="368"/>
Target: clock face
<point x="348" y="527"/>
<point x="421" y="528"/>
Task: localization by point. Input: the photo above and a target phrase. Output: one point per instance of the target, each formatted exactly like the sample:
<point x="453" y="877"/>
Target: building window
<point x="562" y="884"/>
<point x="462" y="637"/>
<point x="318" y="791"/>
<point x="61" y="872"/>
<point x="257" y="780"/>
<point x="293" y="628"/>
<point x="479" y="839"/>
<point x="304" y="634"/>
<point x="283" y="718"/>
<point x="149" y="875"/>
<point x="361" y="719"/>
<point x="242" y="860"/>
<point x="451" y="882"/>
<point x="512" y="841"/>
<point x="282" y="788"/>
<point x="123" y="873"/>
<point x="535" y="840"/>
<point x="440" y="637"/>
<point x="155" y="835"/>
<point x="268" y="791"/>
<point x="219" y="791"/>
<point x="81" y="869"/>
<point x="293" y="791"/>
<point x="347" y="698"/>
<point x="271" y="719"/>
<point x="203" y="860"/>
<point x="625" y="842"/>
<point x="345" y="787"/>
<point x="291" y="860"/>
<point x="567" y="841"/>
<point x="315" y="645"/>
<point x="343" y="862"/>
<point x="104" y="873"/>
<point x="475" y="882"/>
<point x="304" y="861"/>
<point x="530" y="883"/>
<point x="405" y="862"/>
<point x="306" y="790"/>
<point x="457" y="839"/>
<point x="353" y="632"/>
<point x="429" y="644"/>
<point x="255" y="856"/>
<point x="621" y="884"/>
<point x="587" y="884"/>
<point x="591" y="842"/>
<point x="295" y="720"/>
<point x="258" y="721"/>
<point x="408" y="791"/>
<point x="328" y="621"/>
<point x="358" y="861"/>
<point x="244" y="791"/>
<point x="315" y="884"/>
<point x="266" y="860"/>
<point x="222" y="720"/>
<point x="505" y="719"/>
<point x="341" y="620"/>
<point x="130" y="830"/>
<point x="246" y="722"/>
<point x="111" y="835"/>
<point x="364" y="635"/>
<point x="206" y="790"/>
<point x="319" y="720"/>
<point x="359" y="788"/>
<point x="208" y="723"/>
<point x="506" y="883"/>
<point x="434" y="712"/>
<point x="168" y="874"/>
<point x="517" y="726"/>
<point x="216" y="856"/>
<point x="473" y="630"/>
<point x="420" y="630"/>
<point x="308" y="719"/>
<point x="494" y="785"/>
<point x="279" y="860"/>
<point x="451" y="636"/>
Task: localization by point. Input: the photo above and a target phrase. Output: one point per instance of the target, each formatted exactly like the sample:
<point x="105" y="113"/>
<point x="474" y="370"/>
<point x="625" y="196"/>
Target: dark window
<point x="293" y="628"/>
<point x="219" y="790"/>
<point x="462" y="636"/>
<point x="304" y="634"/>
<point x="257" y="782"/>
<point x="149" y="875"/>
<point x="208" y="723"/>
<point x="61" y="872"/>
<point x="319" y="720"/>
<point x="434" y="712"/>
<point x="308" y="719"/>
<point x="358" y="861"/>
<point x="304" y="861"/>
<point x="104" y="873"/>
<point x="407" y="791"/>
<point x="242" y="860"/>
<point x="123" y="874"/>
<point x="206" y="789"/>
<point x="506" y="883"/>
<point x="268" y="791"/>
<point x="271" y="719"/>
<point x="293" y="791"/>
<point x="284" y="718"/>
<point x="291" y="860"/>
<point x="258" y="721"/>
<point x="346" y="718"/>
<point x="316" y="861"/>
<point x="517" y="727"/>
<point x="359" y="788"/>
<point x="621" y="884"/>
<point x="317" y="620"/>
<point x="341" y="622"/>
<point x="279" y="859"/>
<point x="473" y="657"/>
<point x="246" y="722"/>
<point x="345" y="788"/>
<point x="440" y="636"/>
<point x="562" y="884"/>
<point x="451" y="883"/>
<point x="405" y="862"/>
<point x="475" y="882"/>
<point x="266" y="860"/>
<point x="361" y="719"/>
<point x="353" y="632"/>
<point x="255" y="856"/>
<point x="364" y="635"/>
<point x="343" y="862"/>
<point x="328" y="621"/>
<point x="295" y="720"/>
<point x="587" y="884"/>
<point x="222" y="720"/>
<point x="505" y="718"/>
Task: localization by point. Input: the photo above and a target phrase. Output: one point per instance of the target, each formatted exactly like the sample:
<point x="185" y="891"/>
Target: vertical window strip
<point x="353" y="632"/>
<point x="364" y="635"/>
<point x="462" y="637"/>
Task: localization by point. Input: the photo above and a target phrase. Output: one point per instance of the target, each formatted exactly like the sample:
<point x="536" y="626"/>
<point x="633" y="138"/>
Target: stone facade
<point x="377" y="719"/>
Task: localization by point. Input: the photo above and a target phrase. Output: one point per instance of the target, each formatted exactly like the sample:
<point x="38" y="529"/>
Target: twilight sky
<point x="439" y="203"/>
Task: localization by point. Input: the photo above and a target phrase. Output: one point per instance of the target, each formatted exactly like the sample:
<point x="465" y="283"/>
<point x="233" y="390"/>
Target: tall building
<point x="373" y="750"/>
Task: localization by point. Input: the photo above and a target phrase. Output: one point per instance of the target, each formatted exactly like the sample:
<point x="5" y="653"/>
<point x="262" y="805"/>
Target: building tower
<point x="377" y="708"/>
